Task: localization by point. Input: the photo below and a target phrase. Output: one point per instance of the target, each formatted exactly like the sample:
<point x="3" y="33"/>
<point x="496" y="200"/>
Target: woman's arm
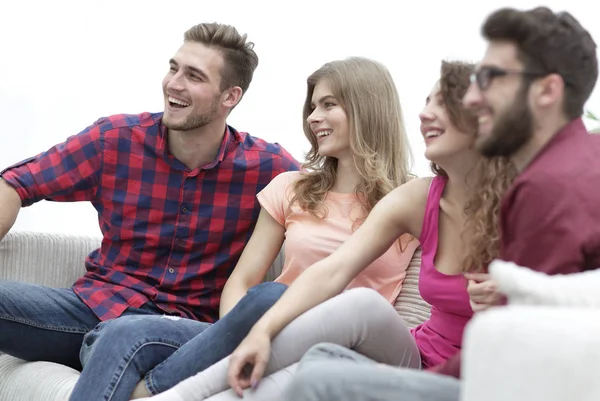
<point x="401" y="211"/>
<point x="389" y="219"/>
<point x="258" y="255"/>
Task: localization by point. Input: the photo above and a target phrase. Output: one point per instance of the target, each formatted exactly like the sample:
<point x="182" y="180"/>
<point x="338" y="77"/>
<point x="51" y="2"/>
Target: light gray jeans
<point x="331" y="372"/>
<point x="360" y="319"/>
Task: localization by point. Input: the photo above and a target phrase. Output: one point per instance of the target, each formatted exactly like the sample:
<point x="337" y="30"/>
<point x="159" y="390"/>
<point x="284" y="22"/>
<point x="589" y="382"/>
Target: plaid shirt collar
<point x="230" y="137"/>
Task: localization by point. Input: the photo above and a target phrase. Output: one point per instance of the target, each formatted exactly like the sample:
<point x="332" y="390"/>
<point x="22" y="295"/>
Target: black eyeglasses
<point x="484" y="76"/>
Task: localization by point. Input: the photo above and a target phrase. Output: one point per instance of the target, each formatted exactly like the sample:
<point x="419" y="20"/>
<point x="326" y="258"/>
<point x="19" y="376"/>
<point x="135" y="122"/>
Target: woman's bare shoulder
<point x="415" y="189"/>
<point x="409" y="204"/>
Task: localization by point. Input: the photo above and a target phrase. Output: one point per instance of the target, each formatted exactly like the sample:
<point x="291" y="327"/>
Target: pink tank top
<point x="440" y="337"/>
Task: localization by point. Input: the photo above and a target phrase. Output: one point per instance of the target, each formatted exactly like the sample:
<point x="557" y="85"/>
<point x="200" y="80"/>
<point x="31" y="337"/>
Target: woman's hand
<point x="248" y="362"/>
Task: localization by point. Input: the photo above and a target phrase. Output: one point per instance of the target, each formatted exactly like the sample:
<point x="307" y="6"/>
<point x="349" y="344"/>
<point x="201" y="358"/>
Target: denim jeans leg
<point x="43" y="324"/>
<point x="118" y="353"/>
<point x="216" y="342"/>
<point x="332" y="372"/>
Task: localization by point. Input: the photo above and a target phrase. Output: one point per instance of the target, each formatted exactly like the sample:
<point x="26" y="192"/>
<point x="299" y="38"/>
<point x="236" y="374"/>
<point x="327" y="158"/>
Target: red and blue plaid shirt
<point x="171" y="235"/>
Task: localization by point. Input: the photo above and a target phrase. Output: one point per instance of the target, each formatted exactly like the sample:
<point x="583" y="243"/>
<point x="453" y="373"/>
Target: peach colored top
<point x="309" y="239"/>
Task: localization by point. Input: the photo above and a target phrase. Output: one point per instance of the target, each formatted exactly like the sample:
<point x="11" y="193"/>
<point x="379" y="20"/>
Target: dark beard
<point x="195" y="121"/>
<point x="512" y="130"/>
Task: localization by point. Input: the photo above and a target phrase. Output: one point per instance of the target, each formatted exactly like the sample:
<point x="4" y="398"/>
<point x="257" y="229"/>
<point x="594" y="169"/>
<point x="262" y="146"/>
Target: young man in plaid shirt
<point x="175" y="196"/>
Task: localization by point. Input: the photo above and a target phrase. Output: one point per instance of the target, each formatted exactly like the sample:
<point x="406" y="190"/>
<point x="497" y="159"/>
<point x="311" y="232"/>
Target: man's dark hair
<point x="550" y="43"/>
<point x="240" y="60"/>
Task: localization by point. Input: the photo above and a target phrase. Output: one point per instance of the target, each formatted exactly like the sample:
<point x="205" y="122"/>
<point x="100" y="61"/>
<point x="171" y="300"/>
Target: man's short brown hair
<point x="239" y="57"/>
<point x="550" y="43"/>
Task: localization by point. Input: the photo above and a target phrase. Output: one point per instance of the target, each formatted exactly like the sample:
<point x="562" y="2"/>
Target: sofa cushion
<point x="53" y="260"/>
<point x="409" y="304"/>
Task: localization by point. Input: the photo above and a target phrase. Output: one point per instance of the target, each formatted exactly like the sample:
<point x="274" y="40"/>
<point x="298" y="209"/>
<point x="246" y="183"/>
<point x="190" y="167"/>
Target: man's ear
<point x="549" y="90"/>
<point x="232" y="96"/>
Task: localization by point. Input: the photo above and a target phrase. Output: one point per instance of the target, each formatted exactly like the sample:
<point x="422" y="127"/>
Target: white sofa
<point x="57" y="261"/>
<point x="511" y="353"/>
<point x="532" y="353"/>
<point x="53" y="260"/>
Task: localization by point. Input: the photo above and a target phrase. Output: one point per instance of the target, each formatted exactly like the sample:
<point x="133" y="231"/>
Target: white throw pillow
<point x="524" y="286"/>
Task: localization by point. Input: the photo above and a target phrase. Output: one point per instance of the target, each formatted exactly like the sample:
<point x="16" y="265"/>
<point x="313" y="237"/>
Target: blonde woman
<point x="454" y="214"/>
<point x="359" y="153"/>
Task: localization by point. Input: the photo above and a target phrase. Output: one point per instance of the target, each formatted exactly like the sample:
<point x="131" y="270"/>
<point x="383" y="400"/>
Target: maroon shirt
<point x="550" y="217"/>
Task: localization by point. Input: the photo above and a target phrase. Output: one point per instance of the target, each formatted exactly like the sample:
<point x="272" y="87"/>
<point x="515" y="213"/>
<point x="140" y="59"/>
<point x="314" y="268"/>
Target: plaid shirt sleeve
<point x="287" y="161"/>
<point x="69" y="171"/>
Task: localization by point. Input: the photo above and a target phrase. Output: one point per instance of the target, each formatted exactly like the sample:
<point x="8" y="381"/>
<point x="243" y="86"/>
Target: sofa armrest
<point x="528" y="353"/>
<point x="39" y="381"/>
<point x="54" y="260"/>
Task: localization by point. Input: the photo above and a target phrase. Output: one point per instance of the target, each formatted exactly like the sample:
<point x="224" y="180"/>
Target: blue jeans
<point x="46" y="324"/>
<point x="117" y="354"/>
<point x="332" y="372"/>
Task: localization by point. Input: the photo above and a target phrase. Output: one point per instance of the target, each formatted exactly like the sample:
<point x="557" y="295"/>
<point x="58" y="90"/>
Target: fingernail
<point x="254" y="383"/>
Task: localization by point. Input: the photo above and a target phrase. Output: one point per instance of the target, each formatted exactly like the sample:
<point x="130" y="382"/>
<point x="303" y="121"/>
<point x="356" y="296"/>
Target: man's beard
<point x="512" y="130"/>
<point x="197" y="120"/>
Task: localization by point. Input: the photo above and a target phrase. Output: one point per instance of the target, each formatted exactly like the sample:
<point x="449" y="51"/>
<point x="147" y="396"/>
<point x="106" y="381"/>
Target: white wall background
<point x="66" y="63"/>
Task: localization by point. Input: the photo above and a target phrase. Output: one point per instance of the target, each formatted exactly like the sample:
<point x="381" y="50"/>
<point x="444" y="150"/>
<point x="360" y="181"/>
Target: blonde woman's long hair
<point x="378" y="140"/>
<point x="488" y="181"/>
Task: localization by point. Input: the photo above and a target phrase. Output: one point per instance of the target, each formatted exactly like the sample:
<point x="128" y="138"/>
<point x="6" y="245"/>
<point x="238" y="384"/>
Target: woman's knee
<point x="364" y="296"/>
<point x="367" y="303"/>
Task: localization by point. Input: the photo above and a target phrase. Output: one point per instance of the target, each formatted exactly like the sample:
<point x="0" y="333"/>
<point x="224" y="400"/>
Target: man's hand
<point x="483" y="291"/>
